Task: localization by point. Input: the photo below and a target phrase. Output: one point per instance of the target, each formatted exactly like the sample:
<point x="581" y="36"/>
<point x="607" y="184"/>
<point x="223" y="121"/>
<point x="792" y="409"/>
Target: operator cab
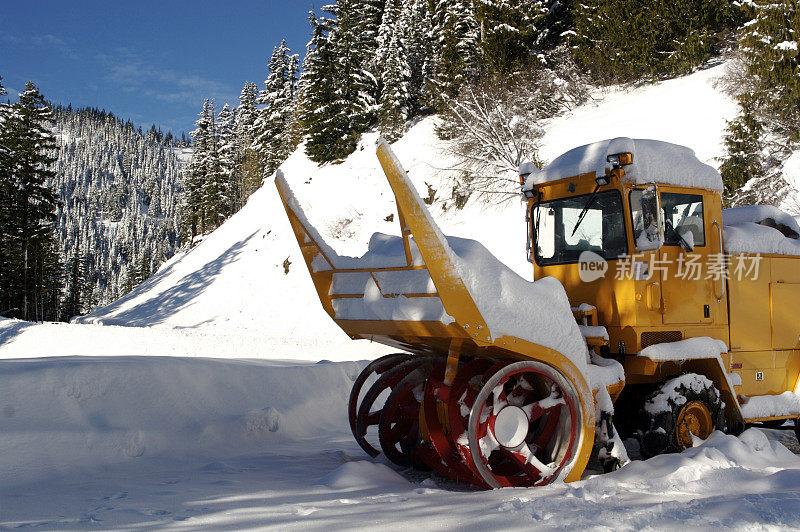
<point x="615" y="221"/>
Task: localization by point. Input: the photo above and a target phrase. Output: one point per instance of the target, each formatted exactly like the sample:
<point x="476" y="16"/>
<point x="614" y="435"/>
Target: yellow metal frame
<point x="468" y="334"/>
<point x="755" y="318"/>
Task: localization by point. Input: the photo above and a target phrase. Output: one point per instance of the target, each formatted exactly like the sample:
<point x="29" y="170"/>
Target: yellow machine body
<point x="756" y="316"/>
<point x="468" y="333"/>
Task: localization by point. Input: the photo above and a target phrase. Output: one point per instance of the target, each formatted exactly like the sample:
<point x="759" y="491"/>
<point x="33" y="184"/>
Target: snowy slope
<point x="235" y="280"/>
<point x="233" y="284"/>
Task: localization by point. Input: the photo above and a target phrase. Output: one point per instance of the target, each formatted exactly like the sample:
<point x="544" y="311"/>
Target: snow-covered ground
<point x="223" y="426"/>
<point x="177" y="444"/>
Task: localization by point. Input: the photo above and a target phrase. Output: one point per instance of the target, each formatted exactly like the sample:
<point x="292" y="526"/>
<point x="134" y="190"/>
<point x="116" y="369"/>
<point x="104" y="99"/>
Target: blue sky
<point x="144" y="60"/>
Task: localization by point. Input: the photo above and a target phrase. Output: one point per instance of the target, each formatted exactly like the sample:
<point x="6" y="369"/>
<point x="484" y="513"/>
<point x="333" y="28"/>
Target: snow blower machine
<point x="624" y="334"/>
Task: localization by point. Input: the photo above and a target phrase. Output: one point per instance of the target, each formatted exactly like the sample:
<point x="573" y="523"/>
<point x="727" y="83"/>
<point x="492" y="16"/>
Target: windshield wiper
<point x="585" y="210"/>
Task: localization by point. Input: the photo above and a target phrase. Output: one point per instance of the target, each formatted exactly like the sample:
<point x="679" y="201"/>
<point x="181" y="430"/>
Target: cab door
<point x="690" y="264"/>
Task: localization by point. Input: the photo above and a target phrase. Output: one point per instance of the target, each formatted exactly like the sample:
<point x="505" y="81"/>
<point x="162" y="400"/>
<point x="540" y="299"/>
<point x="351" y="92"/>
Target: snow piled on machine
<point x="762" y="406"/>
<point x="699" y="347"/>
<point x="538" y="311"/>
<point x="654" y="161"/>
<point x="760" y="229"/>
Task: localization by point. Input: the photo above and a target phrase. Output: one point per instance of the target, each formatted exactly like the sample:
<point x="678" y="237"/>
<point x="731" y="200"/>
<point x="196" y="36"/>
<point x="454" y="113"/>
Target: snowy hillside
<point x="233" y="289"/>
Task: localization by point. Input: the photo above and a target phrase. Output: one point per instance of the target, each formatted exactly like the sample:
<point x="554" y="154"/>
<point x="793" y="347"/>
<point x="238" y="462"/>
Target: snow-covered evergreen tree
<point x="512" y="31"/>
<point x="769" y="45"/>
<point x="215" y="191"/>
<point x="118" y="191"/>
<point x="744" y="147"/>
<point x="629" y="40"/>
<point x="246" y="173"/>
<point x="273" y="141"/>
<point x="766" y="82"/>
<point x="194" y="215"/>
<point x="395" y="104"/>
<point x="227" y="152"/>
<point x="321" y="116"/>
<point x="31" y="288"/>
<point x="459" y="37"/>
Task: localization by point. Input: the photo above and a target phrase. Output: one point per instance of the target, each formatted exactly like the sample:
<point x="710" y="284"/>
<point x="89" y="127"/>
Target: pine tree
<point x="356" y="85"/>
<point x="273" y="141"/>
<point x="394" y="107"/>
<point x="744" y="159"/>
<point x="214" y="190"/>
<point x="415" y="34"/>
<point x="767" y="86"/>
<point x="769" y="45"/>
<point x="422" y="53"/>
<point x="6" y="204"/>
<point x="75" y="292"/>
<point x="246" y="175"/>
<point x="30" y="208"/>
<point x="512" y="31"/>
<point x="629" y="40"/>
<point x="227" y="148"/>
<point x="459" y="40"/>
<point x="194" y="214"/>
<point x="321" y="117"/>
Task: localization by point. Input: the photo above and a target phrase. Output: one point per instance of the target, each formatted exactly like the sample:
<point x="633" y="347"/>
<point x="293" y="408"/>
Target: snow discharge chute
<point x="491" y="386"/>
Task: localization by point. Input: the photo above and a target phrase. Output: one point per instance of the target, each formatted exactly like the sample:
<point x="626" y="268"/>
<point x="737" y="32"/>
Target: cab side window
<point x="683" y="218"/>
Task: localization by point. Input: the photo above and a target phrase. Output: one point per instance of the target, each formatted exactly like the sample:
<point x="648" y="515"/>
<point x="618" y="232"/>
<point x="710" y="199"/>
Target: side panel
<point x="777" y="370"/>
<point x="749" y="303"/>
<point x="785" y="324"/>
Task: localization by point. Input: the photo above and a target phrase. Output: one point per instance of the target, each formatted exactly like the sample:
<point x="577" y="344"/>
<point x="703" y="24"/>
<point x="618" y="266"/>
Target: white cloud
<point x="135" y="75"/>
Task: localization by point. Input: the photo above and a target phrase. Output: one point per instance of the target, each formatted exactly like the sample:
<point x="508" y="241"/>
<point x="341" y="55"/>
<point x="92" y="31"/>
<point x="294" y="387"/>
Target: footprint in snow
<point x="134" y="444"/>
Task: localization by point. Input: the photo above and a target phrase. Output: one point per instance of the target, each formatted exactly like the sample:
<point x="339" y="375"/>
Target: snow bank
<point x="654" y="161"/>
<point x="61" y="415"/>
<point x="363" y="475"/>
<point x="751" y="451"/>
<point x="21" y="339"/>
<point x="760" y="406"/>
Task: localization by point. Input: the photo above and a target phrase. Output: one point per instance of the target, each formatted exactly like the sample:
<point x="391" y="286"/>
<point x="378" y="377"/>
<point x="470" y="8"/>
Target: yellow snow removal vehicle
<point x="651" y="307"/>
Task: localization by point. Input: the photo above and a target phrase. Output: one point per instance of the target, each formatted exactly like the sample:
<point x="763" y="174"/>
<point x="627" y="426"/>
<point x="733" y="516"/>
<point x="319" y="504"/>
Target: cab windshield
<point x="557" y="240"/>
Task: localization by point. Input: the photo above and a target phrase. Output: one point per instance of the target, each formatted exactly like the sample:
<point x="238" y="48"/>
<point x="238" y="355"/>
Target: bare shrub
<point x="496" y="124"/>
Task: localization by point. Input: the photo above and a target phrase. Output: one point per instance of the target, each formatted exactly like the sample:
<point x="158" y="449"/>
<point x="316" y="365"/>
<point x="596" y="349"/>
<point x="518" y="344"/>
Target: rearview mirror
<point x="648" y="220"/>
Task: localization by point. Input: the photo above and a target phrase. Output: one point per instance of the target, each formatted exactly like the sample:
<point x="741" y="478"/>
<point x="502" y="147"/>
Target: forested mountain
<point x="492" y="69"/>
<point x="117" y="219"/>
